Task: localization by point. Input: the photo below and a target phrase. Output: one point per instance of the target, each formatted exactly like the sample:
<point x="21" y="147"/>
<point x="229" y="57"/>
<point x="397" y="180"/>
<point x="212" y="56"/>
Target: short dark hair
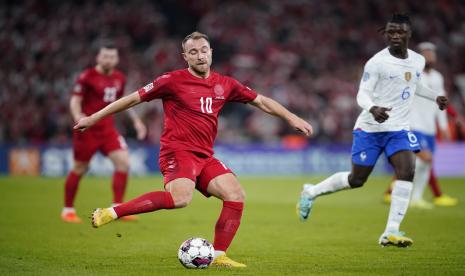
<point x="400" y="18"/>
<point x="397" y="18"/>
<point x="108" y="45"/>
<point x="194" y="35"/>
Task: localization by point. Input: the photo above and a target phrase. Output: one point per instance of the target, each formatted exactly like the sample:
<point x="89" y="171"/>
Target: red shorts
<point x="197" y="167"/>
<point x="87" y="143"/>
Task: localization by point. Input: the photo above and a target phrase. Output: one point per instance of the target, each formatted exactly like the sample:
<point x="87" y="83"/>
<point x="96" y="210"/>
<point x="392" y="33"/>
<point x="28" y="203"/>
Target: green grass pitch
<point x="340" y="237"/>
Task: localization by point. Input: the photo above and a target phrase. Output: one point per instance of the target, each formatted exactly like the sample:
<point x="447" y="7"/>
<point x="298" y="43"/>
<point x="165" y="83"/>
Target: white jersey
<point x="424" y="111"/>
<point x="391" y="82"/>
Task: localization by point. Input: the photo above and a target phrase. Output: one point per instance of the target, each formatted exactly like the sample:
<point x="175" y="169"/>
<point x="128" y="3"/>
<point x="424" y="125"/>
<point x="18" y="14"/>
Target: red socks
<point x="434" y="185"/>
<point x="71" y="187"/>
<point x="119" y="186"/>
<point x="148" y="202"/>
<point x="227" y="224"/>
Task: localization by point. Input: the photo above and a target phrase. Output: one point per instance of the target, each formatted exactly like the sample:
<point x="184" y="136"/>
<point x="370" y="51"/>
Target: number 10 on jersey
<point x="206" y="104"/>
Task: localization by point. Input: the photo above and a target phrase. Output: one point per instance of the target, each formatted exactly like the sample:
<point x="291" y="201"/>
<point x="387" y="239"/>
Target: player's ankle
<point x="218" y="253"/>
<point x="68" y="210"/>
<point x="114" y="215"/>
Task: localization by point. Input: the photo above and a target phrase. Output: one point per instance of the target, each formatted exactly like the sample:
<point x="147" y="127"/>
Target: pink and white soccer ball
<point x="196" y="253"/>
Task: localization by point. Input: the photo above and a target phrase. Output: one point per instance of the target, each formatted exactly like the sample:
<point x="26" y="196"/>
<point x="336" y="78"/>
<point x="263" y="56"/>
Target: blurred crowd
<point x="308" y="55"/>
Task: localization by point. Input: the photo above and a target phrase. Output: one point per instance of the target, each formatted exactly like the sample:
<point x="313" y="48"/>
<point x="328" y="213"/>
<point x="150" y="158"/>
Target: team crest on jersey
<point x="408" y="76"/>
<point x="219" y="92"/>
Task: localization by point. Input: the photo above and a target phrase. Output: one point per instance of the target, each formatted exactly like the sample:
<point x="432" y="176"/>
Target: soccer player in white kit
<point x="390" y="80"/>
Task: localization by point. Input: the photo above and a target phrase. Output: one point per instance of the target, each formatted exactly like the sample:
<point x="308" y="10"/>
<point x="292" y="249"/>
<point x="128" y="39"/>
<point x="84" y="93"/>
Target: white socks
<point x="400" y="198"/>
<point x="218" y="253"/>
<point x="422" y="169"/>
<point x="68" y="210"/>
<point x="113" y="213"/>
<point x="334" y="183"/>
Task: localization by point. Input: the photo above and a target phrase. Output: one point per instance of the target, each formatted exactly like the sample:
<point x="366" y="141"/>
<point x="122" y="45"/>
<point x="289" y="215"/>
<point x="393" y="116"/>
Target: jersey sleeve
<point x="241" y="93"/>
<point x="370" y="76"/>
<point x="80" y="87"/>
<point x="156" y="89"/>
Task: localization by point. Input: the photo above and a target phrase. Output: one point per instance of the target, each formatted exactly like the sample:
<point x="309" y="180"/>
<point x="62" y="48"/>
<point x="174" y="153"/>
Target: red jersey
<point x="191" y="107"/>
<point x="97" y="91"/>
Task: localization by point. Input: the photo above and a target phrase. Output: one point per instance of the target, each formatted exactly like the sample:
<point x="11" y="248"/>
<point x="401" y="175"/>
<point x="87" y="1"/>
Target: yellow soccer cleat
<point x="421" y="204"/>
<point x="397" y="238"/>
<point x="445" y="201"/>
<point x="224" y="261"/>
<point x="101" y="216"/>
<point x="387" y="198"/>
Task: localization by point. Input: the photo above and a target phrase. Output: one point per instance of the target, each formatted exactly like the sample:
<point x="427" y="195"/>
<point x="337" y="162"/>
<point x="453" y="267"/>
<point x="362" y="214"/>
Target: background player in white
<point x="423" y="120"/>
<point x="390" y="80"/>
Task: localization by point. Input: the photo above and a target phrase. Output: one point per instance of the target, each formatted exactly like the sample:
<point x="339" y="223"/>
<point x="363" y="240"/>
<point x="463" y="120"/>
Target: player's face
<point x="397" y="35"/>
<point x="430" y="57"/>
<point x="198" y="55"/>
<point x="107" y="58"/>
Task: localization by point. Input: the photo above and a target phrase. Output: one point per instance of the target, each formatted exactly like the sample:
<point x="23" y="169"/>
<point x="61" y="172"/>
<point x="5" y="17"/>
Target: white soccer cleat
<point x="396" y="238"/>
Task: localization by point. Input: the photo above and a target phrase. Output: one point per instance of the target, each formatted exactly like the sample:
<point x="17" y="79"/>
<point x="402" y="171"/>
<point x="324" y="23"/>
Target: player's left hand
<point x="141" y="129"/>
<point x="301" y="125"/>
<point x="84" y="123"/>
<point x="442" y="102"/>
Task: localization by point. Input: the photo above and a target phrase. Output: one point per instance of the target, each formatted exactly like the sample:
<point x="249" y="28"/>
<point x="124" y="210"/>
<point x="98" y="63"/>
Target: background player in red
<point x="95" y="88"/>
<point x="192" y="99"/>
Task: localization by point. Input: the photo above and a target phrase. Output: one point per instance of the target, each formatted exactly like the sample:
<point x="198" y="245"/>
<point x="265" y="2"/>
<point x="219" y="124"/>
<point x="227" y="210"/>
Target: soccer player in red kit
<point x="192" y="99"/>
<point x="95" y="88"/>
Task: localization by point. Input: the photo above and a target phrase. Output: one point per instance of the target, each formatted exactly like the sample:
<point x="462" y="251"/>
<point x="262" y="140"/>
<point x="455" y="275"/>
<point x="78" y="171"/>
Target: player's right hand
<point x="380" y="113"/>
<point x="84" y="123"/>
<point x="301" y="125"/>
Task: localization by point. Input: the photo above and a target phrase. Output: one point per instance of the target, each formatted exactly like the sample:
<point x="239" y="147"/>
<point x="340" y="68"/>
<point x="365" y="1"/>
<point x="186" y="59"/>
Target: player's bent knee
<point x="80" y="169"/>
<point x="181" y="201"/>
<point x="236" y="196"/>
<point x="122" y="166"/>
<point x="356" y="182"/>
<point x="406" y="175"/>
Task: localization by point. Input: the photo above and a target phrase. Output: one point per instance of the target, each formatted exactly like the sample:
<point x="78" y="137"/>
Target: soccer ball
<point x="196" y="253"/>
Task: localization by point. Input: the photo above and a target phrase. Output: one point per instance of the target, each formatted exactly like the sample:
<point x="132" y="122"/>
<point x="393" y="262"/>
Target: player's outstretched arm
<point x="272" y="107"/>
<point x="116" y="106"/>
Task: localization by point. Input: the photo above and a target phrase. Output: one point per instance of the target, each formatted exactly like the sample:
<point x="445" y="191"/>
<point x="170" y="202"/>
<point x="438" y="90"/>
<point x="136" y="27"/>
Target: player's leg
<point x="120" y="160"/>
<point x="434" y="184"/>
<point x="422" y="172"/>
<point x="84" y="147"/>
<point x="218" y="180"/>
<point x="179" y="169"/>
<point x="404" y="167"/>
<point x="116" y="149"/>
<point x="440" y="199"/>
<point x="68" y="213"/>
<point x="178" y="194"/>
<point x="365" y="153"/>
